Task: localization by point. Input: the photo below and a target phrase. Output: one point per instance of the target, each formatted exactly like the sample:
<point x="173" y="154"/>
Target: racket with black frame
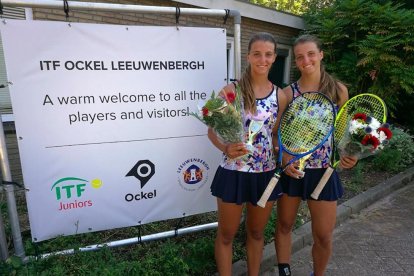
<point x="371" y="105"/>
<point x="304" y="127"/>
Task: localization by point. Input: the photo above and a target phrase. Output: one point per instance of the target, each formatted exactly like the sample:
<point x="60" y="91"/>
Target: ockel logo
<point x="143" y="170"/>
<point x="71" y="189"/>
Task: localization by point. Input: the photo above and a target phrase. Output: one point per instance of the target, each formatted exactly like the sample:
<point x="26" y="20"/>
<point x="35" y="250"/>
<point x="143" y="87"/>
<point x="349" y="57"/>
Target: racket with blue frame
<point x="304" y="127"/>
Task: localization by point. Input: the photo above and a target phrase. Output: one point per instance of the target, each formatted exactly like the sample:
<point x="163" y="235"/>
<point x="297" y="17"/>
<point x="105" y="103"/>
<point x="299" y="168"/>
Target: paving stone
<point x="378" y="242"/>
<point x="376" y="239"/>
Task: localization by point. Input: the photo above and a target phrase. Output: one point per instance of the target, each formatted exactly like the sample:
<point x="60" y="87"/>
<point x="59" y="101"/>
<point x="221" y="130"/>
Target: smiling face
<point x="308" y="57"/>
<point x="261" y="57"/>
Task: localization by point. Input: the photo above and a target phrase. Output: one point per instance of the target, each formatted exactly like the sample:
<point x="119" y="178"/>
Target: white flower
<point x="374" y="124"/>
<point x="375" y="134"/>
<point x="355" y="125"/>
<point x="382" y="136"/>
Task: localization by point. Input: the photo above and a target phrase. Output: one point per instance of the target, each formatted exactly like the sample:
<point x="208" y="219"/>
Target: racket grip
<point x="268" y="191"/>
<point x="325" y="177"/>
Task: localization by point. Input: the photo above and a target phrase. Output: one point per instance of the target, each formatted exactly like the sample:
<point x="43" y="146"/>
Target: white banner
<point x="102" y="118"/>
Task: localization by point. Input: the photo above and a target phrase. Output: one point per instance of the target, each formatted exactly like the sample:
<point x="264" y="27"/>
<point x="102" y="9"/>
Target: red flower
<point x="230" y="97"/>
<point x="365" y="139"/>
<point x="370" y="140"/>
<point x="387" y="132"/>
<point x="205" y="111"/>
<point x="361" y="116"/>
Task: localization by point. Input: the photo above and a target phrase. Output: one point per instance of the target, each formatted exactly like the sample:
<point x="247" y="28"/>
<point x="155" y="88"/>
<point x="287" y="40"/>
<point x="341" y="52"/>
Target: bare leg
<point x="323" y="215"/>
<point x="229" y="215"/>
<point x="257" y="218"/>
<point x="287" y="208"/>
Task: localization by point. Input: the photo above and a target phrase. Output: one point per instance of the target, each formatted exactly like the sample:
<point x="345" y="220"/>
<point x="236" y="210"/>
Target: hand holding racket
<point x="296" y="169"/>
<point x="369" y="104"/>
<point x="305" y="125"/>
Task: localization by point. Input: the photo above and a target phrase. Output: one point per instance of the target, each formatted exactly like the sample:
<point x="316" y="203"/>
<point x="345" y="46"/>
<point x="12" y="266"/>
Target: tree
<point x="369" y="45"/>
<point x="291" y="6"/>
<point x="297" y="7"/>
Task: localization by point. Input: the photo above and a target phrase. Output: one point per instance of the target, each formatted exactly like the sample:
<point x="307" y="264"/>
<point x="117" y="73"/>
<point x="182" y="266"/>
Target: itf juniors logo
<point x="193" y="174"/>
<point x="69" y="192"/>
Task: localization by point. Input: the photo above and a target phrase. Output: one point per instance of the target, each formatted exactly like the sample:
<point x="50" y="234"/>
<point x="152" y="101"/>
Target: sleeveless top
<point x="319" y="158"/>
<point x="261" y="158"/>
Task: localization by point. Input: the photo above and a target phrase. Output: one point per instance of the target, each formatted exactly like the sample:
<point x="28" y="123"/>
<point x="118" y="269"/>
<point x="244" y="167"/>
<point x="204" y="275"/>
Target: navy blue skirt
<point x="240" y="187"/>
<point x="304" y="187"/>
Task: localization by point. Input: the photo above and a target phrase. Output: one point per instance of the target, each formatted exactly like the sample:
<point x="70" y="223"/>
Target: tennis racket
<point x="305" y="125"/>
<point x="370" y="104"/>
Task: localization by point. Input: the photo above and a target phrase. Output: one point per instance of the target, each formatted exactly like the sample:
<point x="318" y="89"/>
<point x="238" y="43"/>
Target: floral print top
<point x="320" y="157"/>
<point x="261" y="157"/>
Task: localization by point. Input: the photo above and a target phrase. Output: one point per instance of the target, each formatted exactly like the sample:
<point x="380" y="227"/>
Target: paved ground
<point x="378" y="241"/>
<point x="374" y="235"/>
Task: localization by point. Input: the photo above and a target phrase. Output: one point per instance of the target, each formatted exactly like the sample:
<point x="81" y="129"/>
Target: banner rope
<point x="4" y="182"/>
<point x="177" y="16"/>
<point x="226" y="16"/>
<point x="139" y="232"/>
<point x="66" y="8"/>
<point x="178" y="225"/>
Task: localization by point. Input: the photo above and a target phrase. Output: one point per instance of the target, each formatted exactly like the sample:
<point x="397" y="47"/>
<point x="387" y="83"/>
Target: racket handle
<point x="268" y="191"/>
<point x="325" y="177"/>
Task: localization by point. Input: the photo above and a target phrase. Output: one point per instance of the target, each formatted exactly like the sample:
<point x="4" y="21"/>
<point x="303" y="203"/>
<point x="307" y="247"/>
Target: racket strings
<point x="306" y="122"/>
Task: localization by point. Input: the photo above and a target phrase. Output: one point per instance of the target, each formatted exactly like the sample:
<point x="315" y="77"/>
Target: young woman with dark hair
<point x="308" y="58"/>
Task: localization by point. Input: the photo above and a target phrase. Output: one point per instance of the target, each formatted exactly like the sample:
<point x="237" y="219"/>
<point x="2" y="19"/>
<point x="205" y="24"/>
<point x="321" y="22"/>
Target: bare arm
<point x="283" y="101"/>
<point x="346" y="162"/>
<point x="343" y="95"/>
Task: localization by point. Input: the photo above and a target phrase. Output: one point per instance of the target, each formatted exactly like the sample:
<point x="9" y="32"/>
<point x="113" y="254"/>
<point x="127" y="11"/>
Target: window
<point x="5" y="103"/>
<point x="230" y="59"/>
<point x="280" y="72"/>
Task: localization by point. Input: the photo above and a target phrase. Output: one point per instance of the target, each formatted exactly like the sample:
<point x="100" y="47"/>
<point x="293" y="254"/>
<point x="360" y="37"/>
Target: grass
<point x="191" y="254"/>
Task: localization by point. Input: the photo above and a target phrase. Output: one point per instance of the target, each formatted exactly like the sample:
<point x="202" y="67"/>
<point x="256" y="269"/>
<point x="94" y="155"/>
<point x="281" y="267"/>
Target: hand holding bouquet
<point x="365" y="137"/>
<point x="223" y="114"/>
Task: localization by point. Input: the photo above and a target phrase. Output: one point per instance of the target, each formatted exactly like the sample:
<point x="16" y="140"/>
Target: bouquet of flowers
<point x="365" y="137"/>
<point x="223" y="114"/>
